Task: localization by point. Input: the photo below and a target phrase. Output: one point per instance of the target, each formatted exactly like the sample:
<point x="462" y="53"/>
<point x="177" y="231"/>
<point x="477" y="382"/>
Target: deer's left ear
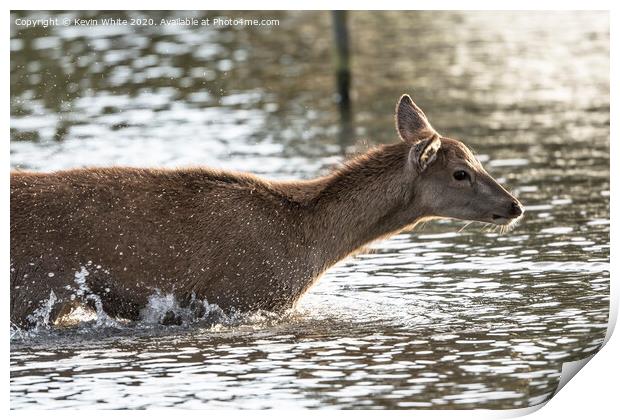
<point x="411" y="123"/>
<point x="424" y="152"/>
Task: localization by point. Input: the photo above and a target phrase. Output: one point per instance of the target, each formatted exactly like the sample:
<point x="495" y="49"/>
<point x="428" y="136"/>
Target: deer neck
<point x="369" y="198"/>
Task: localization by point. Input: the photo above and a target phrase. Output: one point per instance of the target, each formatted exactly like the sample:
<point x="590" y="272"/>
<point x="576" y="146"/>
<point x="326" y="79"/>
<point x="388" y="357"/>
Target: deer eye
<point x="460" y="175"/>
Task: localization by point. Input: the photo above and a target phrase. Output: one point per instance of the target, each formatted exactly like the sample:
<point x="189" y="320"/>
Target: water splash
<point x="87" y="315"/>
<point x="165" y="309"/>
<point x="40" y="318"/>
<point x="87" y="295"/>
<point x="158" y="305"/>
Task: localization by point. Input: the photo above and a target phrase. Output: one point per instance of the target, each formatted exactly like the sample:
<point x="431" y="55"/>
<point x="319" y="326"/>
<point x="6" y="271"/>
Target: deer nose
<point x="515" y="209"/>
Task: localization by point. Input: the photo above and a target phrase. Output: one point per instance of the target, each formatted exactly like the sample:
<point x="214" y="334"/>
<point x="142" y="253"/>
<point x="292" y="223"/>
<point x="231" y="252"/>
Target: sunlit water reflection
<point x="438" y="318"/>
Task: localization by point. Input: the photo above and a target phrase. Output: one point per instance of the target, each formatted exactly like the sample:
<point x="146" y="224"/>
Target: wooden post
<point x="343" y="75"/>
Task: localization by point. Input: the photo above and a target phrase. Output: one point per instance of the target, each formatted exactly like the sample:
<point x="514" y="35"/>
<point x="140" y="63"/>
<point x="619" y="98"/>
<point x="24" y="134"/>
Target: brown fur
<point x="233" y="239"/>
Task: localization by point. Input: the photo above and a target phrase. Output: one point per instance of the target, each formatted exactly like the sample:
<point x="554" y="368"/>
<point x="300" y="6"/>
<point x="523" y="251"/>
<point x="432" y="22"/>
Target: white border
<point x="593" y="393"/>
<point x="313" y="5"/>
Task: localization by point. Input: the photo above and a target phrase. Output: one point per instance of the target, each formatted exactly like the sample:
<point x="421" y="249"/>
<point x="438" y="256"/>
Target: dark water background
<point x="437" y="318"/>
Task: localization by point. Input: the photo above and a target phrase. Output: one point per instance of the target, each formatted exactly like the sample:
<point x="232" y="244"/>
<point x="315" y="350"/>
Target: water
<point x="437" y="318"/>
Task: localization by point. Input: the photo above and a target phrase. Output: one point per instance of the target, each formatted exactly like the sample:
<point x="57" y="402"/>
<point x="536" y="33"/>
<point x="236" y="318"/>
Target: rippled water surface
<point x="442" y="317"/>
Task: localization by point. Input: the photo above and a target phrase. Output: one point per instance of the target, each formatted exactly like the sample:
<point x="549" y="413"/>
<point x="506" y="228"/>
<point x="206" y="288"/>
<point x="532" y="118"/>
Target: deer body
<point x="229" y="238"/>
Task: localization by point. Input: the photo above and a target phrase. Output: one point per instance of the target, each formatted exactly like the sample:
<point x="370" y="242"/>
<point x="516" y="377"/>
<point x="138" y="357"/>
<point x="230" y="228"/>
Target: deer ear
<point x="424" y="152"/>
<point x="411" y="123"/>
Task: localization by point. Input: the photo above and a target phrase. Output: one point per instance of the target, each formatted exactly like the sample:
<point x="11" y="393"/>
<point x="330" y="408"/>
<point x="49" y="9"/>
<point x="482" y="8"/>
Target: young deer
<point x="232" y="239"/>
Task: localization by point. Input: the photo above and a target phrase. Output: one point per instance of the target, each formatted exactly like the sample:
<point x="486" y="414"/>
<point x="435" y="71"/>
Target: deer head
<point x="449" y="180"/>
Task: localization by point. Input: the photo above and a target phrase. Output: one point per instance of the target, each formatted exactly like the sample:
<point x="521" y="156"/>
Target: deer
<point x="233" y="239"/>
